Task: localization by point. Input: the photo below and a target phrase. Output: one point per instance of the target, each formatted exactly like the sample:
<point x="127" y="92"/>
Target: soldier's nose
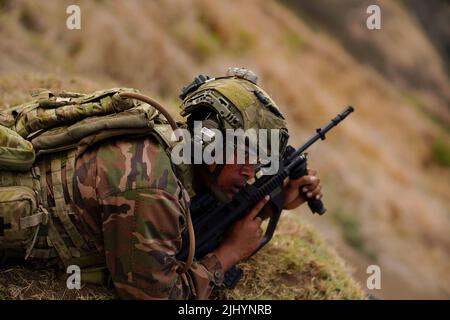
<point x="248" y="171"/>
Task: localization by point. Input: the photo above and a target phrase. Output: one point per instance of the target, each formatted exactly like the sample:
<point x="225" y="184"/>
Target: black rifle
<point x="211" y="219"/>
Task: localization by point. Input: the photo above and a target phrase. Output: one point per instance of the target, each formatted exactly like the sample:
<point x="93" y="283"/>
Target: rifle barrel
<point x="321" y="132"/>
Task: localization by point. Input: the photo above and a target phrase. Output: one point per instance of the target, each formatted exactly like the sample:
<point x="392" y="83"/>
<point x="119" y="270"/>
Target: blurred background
<point x="385" y="170"/>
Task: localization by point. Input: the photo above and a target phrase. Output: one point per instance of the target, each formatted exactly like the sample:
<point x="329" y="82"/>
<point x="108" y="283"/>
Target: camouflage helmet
<point x="236" y="101"/>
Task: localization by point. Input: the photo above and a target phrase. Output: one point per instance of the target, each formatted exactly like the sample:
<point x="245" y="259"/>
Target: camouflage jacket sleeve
<point x="132" y="203"/>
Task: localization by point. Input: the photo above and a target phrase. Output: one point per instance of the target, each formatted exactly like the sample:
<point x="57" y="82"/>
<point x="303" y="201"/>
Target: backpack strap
<point x="70" y="167"/>
<point x="38" y="219"/>
<point x="31" y="221"/>
<point x="41" y="171"/>
<point x="166" y="137"/>
<point x="61" y="209"/>
<point x="57" y="241"/>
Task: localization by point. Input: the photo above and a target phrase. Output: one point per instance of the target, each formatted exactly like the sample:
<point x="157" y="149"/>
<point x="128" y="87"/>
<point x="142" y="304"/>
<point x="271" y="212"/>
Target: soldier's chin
<point x="230" y="194"/>
<point x="227" y="196"/>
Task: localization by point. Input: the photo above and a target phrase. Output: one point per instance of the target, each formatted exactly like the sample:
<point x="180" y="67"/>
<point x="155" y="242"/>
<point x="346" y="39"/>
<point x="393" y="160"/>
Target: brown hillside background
<point x="385" y="170"/>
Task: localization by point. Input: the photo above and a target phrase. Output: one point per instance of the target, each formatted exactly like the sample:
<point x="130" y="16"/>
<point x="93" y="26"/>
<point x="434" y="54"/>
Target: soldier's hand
<point x="297" y="191"/>
<point x="243" y="238"/>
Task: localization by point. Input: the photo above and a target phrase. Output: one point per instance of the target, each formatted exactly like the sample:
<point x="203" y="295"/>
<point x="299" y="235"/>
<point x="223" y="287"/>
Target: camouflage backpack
<point x="34" y="224"/>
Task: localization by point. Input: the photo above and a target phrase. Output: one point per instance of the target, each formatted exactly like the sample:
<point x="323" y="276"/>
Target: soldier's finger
<point x="318" y="194"/>
<point x="257" y="208"/>
<point x="296" y="183"/>
<point x="312" y="186"/>
<point x="314" y="192"/>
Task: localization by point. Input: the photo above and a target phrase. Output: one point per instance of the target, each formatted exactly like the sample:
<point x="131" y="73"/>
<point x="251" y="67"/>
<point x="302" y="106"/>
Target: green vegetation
<point x="206" y="43"/>
<point x="350" y="226"/>
<point x="243" y="41"/>
<point x="201" y="44"/>
<point x="440" y="149"/>
<point x="420" y="106"/>
<point x="441" y="152"/>
<point x="293" y="41"/>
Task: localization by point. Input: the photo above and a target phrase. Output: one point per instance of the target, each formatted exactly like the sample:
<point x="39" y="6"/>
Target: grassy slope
<point x="296" y="265"/>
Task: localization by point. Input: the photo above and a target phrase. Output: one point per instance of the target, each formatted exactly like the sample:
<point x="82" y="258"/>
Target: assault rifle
<point x="211" y="219"/>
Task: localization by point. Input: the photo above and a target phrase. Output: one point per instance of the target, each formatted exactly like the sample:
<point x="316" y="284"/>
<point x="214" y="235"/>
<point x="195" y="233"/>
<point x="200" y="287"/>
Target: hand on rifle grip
<point x="316" y="205"/>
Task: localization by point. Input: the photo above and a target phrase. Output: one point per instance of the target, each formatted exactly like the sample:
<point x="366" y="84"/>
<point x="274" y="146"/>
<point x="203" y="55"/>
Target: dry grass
<point x="24" y="283"/>
<point x="295" y="265"/>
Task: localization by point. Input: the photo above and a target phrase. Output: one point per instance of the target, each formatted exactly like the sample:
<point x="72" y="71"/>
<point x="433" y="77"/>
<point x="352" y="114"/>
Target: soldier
<point x="133" y="202"/>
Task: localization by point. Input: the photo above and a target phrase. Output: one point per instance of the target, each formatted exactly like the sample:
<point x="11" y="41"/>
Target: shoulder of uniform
<point x="135" y="163"/>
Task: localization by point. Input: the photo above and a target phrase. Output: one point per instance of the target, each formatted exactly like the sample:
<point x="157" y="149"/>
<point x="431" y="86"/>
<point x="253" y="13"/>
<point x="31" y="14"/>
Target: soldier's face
<point x="234" y="176"/>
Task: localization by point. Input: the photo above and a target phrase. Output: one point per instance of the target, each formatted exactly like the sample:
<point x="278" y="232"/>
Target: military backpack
<point x="39" y="143"/>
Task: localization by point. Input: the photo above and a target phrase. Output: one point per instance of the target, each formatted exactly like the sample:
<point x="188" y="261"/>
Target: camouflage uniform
<point x="130" y="200"/>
